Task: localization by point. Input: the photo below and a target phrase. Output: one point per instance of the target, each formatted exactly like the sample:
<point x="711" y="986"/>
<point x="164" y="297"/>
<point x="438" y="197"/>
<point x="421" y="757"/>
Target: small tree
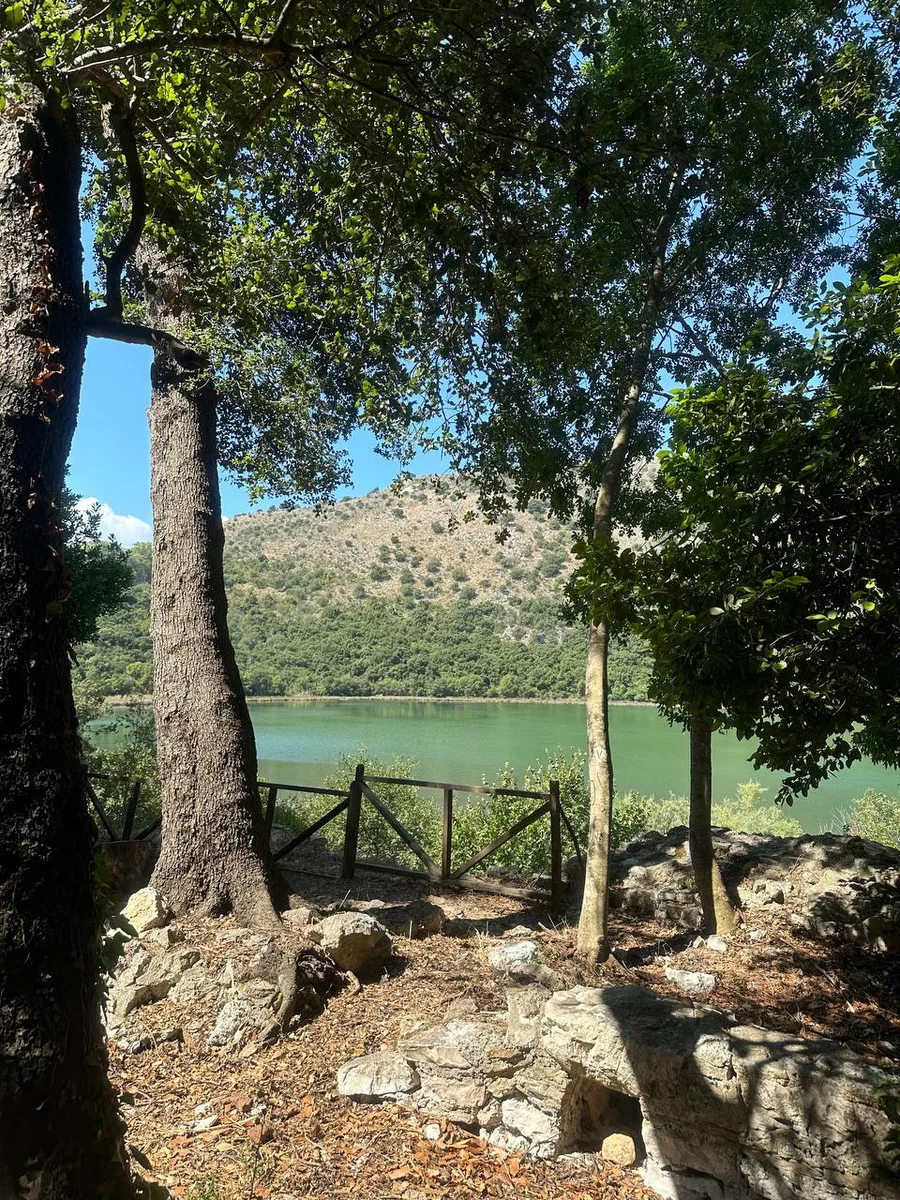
<point x="768" y="598"/>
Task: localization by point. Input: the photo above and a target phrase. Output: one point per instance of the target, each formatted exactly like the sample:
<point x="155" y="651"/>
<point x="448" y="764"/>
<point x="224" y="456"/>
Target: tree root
<point x="305" y="981"/>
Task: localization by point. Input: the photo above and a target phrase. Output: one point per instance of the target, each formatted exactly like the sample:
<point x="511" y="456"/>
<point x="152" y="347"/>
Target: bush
<point x="875" y="816"/>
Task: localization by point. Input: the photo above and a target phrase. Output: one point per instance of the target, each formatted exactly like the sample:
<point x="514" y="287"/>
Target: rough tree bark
<point x="593" y="935"/>
<point x="715" y="903"/>
<point x="214" y="855"/>
<point x="60" y="1135"/>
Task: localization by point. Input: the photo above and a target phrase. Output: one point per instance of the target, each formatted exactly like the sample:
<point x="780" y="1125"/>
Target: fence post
<point x="271" y="798"/>
<point x="556" y="892"/>
<point x="130" y="810"/>
<point x="351" y="829"/>
<point x="447" y="835"/>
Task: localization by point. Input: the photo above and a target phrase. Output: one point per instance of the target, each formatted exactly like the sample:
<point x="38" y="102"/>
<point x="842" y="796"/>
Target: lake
<point x="459" y="742"/>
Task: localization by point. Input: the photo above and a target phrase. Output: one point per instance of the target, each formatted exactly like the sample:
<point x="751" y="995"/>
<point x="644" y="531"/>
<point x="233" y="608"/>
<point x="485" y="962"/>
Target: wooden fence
<point x="362" y="789"/>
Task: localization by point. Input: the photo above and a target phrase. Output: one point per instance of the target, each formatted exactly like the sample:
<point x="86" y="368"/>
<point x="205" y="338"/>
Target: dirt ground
<point x="282" y="1133"/>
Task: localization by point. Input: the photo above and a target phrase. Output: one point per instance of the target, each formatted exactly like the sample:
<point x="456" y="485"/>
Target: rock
<point x="146" y="910"/>
<point x="458" y="1045"/>
<point x="385" y="1075"/>
<point x="538" y="1128"/>
<point x="462" y="1006"/>
<point x="717" y="943"/>
<point x="457" y="1099"/>
<point x="519" y="959"/>
<point x="431" y="1132"/>
<point x="524" y="1006"/>
<point x="757" y="935"/>
<point x="143" y="978"/>
<point x="619" y="1149"/>
<point x="246" y="938"/>
<point x="355" y="941"/>
<point x="299" y="917"/>
<point x="202" y="1124"/>
<point x="692" y="983"/>
<point x="518" y="932"/>
<point x="163" y="939"/>
<point x="418" y="919"/>
<point x="230" y="1022"/>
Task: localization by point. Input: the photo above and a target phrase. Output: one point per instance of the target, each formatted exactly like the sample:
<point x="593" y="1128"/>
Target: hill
<point x="400" y="592"/>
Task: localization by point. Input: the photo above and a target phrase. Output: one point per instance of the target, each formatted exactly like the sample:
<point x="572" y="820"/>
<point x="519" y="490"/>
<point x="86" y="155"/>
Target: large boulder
<point x="355" y="941"/>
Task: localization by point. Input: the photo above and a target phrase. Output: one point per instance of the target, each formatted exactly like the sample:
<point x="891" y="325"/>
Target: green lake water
<point x="459" y="742"/>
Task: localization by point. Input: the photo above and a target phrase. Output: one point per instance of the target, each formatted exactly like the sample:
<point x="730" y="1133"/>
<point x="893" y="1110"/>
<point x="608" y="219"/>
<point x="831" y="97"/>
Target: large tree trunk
<point x="214" y="854"/>
<point x="60" y="1135"/>
<point x="718" y="913"/>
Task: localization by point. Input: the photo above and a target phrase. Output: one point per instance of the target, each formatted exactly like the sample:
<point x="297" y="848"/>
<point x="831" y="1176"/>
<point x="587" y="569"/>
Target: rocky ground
<point x="218" y="1113"/>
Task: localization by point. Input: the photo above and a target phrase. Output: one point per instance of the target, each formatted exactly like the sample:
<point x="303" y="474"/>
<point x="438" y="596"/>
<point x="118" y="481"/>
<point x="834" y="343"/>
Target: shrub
<point x="379" y="573"/>
<point x="876" y="816"/>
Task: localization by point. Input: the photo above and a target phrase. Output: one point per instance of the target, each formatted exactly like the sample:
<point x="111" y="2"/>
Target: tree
<point x="768" y="599"/>
<point x="98" y="570"/>
<point x="716" y="161"/>
<point x="72" y="73"/>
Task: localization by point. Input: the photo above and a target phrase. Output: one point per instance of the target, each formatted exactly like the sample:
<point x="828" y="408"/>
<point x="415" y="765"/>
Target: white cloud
<point x="125" y="529"/>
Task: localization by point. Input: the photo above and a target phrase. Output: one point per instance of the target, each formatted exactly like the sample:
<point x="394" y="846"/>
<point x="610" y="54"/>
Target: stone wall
<point x="706" y="1109"/>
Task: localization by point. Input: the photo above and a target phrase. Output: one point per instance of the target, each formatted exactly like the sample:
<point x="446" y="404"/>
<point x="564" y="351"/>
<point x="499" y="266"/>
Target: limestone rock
<point x="538" y="1128"/>
<point x="519" y="959"/>
<point x="231" y="1019"/>
<point x="456" y="1098"/>
<point x="143" y="978"/>
<point x="299" y="917"/>
<point x="619" y="1149"/>
<point x="692" y="983"/>
<point x="524" y="1006"/>
<point x="385" y="1075"/>
<point x="146" y="910"/>
<point x="458" y="1045"/>
<point x="355" y="941"/>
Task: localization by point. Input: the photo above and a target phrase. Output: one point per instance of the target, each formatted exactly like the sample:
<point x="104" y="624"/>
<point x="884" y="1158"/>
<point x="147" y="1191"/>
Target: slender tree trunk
<point x="60" y="1135"/>
<point x="593" y="934"/>
<point x="214" y="854"/>
<point x="718" y="913"/>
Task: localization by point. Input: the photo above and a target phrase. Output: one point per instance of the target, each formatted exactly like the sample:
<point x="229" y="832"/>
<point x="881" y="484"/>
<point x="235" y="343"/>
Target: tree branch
<point x="707" y="352"/>
<point x="101" y="324"/>
<point x="122" y="121"/>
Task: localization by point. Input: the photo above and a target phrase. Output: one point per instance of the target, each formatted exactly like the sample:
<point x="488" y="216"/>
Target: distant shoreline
<point x="126" y="701"/>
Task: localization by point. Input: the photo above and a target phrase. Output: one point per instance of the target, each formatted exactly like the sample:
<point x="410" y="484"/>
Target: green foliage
<point x="769" y="600"/>
<point x="371" y="646"/>
<point x="377" y="841"/>
<point x="875" y="816"/>
<point x="99" y="570"/>
<point x="132" y="757"/>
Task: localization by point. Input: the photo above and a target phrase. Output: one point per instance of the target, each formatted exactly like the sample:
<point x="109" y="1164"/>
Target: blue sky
<point x="110" y="459"/>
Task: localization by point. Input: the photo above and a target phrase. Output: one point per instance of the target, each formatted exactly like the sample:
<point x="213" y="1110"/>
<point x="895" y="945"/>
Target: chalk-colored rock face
<point x="145" y="910"/>
<point x="704" y="1108"/>
<point x="355" y="941"/>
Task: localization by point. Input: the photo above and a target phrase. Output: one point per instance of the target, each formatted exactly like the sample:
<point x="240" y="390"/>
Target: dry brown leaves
<point x="283" y="1133"/>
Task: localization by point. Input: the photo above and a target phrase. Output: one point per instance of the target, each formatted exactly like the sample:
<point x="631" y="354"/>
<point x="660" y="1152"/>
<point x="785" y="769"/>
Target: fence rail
<point x="361" y="789"/>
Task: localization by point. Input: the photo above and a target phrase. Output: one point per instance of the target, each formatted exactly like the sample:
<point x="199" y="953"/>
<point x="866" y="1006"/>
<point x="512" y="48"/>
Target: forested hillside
<point x="394" y="593"/>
